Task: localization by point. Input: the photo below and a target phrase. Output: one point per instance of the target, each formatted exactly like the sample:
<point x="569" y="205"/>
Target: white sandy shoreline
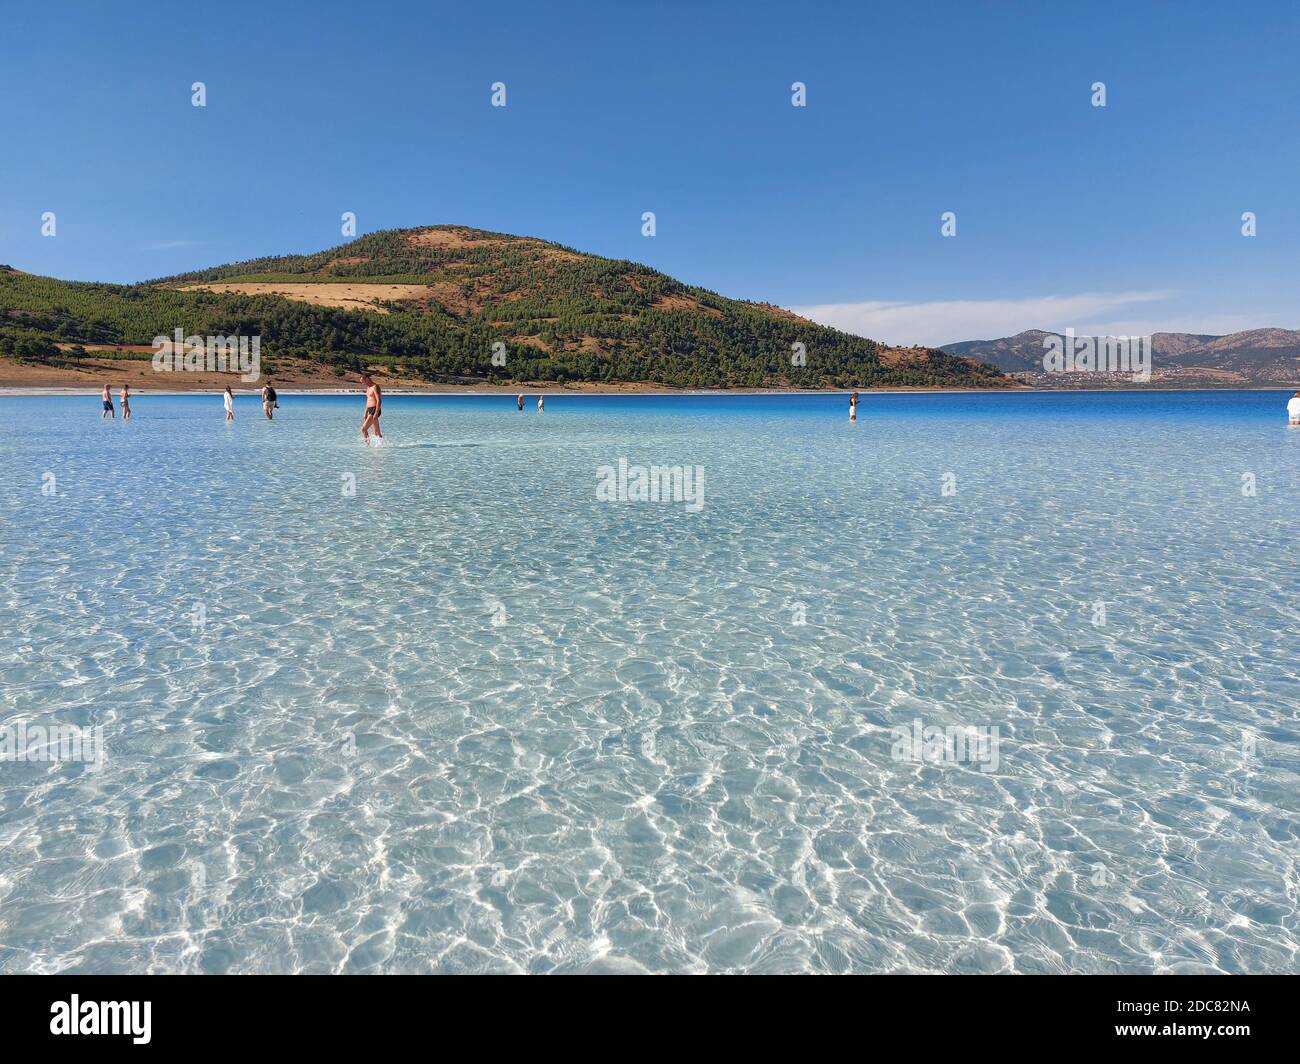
<point x="14" y="391"/>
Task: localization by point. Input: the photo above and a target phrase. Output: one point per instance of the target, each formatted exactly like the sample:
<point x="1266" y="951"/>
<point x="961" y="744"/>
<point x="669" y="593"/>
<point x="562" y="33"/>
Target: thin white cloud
<point x="933" y="324"/>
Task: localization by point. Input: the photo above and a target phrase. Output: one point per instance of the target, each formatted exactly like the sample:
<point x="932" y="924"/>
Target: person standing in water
<point x="519" y="400"/>
<point x="126" y="402"/>
<point x="1293" y="411"/>
<point x="108" y="404"/>
<point x="541" y="403"/>
<point x="853" y="407"/>
<point x="374" y="407"/>
<point x="269" y="399"/>
<point x="230" y="404"/>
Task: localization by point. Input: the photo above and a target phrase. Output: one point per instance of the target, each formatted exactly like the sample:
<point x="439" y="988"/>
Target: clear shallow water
<point x="471" y="719"/>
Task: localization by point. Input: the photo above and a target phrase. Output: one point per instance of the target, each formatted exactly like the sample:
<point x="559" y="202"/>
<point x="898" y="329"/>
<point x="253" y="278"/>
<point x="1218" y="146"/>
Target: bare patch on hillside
<point x="457" y="238"/>
<point x="678" y="301"/>
<point x="457" y="299"/>
<point x="323" y="294"/>
<point x="454" y="237"/>
<point x="781" y="312"/>
<point x="894" y="357"/>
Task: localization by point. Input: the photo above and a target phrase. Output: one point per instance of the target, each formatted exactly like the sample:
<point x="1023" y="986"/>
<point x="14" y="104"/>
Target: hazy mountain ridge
<point x="1265" y="356"/>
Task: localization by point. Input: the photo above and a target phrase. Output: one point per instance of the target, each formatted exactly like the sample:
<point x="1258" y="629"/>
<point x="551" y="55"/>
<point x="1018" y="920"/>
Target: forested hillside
<point x="436" y="300"/>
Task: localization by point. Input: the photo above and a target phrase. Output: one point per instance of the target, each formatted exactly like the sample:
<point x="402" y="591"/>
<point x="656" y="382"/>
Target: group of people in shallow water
<point x="369" y="420"/>
<point x="375" y="406"/>
<point x="124" y="395"/>
<point x="271" y="403"/>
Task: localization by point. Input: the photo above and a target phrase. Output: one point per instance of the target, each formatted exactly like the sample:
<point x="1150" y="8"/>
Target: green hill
<point x="436" y="300"/>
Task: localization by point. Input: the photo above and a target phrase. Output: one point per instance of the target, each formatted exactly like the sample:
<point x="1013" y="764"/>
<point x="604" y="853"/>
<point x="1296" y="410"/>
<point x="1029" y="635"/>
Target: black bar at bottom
<point x="1202" y="1014"/>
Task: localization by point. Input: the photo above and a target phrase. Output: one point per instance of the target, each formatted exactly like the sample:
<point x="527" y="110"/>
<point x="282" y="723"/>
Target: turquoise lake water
<point x="437" y="706"/>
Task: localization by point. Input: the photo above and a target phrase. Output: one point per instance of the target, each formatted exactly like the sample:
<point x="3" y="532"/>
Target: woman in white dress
<point x="230" y="404"/>
<point x="853" y="407"/>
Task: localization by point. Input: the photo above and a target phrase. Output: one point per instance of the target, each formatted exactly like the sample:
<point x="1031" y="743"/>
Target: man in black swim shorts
<point x="374" y="408"/>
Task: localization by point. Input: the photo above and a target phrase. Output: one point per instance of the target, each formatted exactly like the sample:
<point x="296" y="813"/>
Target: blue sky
<point x="1123" y="219"/>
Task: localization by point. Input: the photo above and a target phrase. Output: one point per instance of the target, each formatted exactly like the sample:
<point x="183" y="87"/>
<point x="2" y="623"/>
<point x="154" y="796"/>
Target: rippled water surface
<point x="470" y="719"/>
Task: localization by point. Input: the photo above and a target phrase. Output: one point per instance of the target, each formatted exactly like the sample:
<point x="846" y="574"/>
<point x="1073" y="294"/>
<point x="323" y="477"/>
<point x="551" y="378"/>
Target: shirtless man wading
<point x="374" y="407"/>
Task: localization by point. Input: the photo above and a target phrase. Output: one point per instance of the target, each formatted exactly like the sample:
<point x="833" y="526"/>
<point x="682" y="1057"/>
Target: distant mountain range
<point x="1256" y="357"/>
<point x="451" y="304"/>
